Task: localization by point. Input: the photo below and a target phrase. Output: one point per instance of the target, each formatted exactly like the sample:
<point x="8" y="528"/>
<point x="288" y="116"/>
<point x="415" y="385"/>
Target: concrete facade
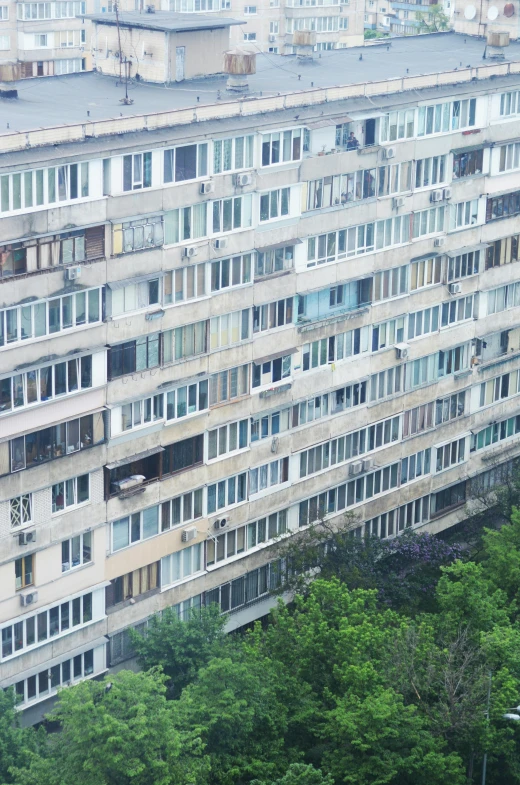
<point x="221" y="322"/>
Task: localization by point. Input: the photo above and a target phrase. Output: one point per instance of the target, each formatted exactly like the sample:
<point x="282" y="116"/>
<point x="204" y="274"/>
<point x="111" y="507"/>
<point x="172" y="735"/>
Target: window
<point x="457" y="310"/>
<point x="143" y="412"/>
<point x="227" y="273"/>
<point x="268" y="475"/>
<point x="186" y="223"/>
<point x="71" y="38"/>
<point x="274" y="204"/>
<point x="181" y="509"/>
<point x="509" y="104"/>
<point x="249" y="36"/>
<point x="426" y="370"/>
<point x="40" y="40"/>
<point x="20" y="510"/>
<point x="47" y="682"/>
<point x="69" y="9"/>
<point x="76" y="552"/>
<point x="394" y="179"/>
<point x="397" y="125"/>
<point x="443" y="118"/>
<point x="183" y="455"/>
<point x="274" y="28"/>
<point x="268" y="425"/>
<point x="349" y="446"/>
<point x="448" y="498"/>
<point x="450" y="454"/>
<point x="349" y="494"/>
<point x="135" y="527"/>
<point x="463" y="265"/>
<point x="249" y="587"/>
<point x="281" y="146"/>
<point x="469" y="163"/>
<point x="58" y="440"/>
<point x="70" y="493"/>
<point x="133" y="584"/>
<point x="185" y="163"/>
<point x="24" y="571"/>
<point x="37" y="319"/>
<point x="44" y="384"/>
<point x="386" y="383"/>
<point x="226" y="493"/>
<point x="341" y="188"/>
<point x="229" y="384"/>
<point x="46" y="624"/>
<point x="73" y="66"/>
<point x="494" y="433"/>
<point x="249" y="10"/>
<point x="426" y="272"/>
<point x="322" y="24"/>
<point x="34" y="10"/>
<point x="4" y="13"/>
<point x="390" y="283"/>
<point x="428" y="221"/>
<point x="499" y="388"/>
<point x="187" y="400"/>
<point x="229" y="544"/>
<point x="135" y="296"/>
<point x="349" y="396"/>
<point x="428" y="415"/>
<point x="185" y="283"/>
<point x="181" y="564"/>
<point x="503" y="251"/>
<point x="271" y="371"/>
<point x="227" y="439"/>
<point x="503" y="298"/>
<point x="388" y="333"/>
<point x="337" y="347"/>
<point x="134" y="356"/>
<point x="272" y="315"/>
<point x="502" y="206"/>
<point x="229" y="329"/>
<point x="414" y="466"/>
<point x="135" y="235"/>
<point x="274" y="260"/>
<point x="464" y="214"/>
<point x="137" y="171"/>
<point x="357" y="240"/>
<point x="5" y="43"/>
<point x="430" y="171"/>
<point x="233" y="154"/>
<point x="397" y="520"/>
<point x="230" y="214"/>
<point x="423" y="322"/>
<point x="26" y="189"/>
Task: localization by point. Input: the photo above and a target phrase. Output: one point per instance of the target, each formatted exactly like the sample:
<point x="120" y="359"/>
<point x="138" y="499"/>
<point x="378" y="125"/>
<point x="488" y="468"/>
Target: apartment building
<point x="223" y="319"/>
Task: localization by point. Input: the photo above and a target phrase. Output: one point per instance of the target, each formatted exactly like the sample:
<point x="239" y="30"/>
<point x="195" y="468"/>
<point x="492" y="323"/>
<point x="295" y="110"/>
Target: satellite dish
<point x="492" y="13"/>
<point x="509" y="10"/>
<point x="470" y="12"/>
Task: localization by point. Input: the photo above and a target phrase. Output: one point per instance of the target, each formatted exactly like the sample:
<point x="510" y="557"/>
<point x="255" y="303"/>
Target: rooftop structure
<point x="224" y="318"/>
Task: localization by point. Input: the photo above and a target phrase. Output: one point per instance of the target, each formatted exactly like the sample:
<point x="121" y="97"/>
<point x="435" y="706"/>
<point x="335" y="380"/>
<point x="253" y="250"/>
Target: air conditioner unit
<point x="402" y="350"/>
<point x="272" y="39"/>
<point x="355" y="468"/>
<point x="207" y="187"/>
<point x="447" y="193"/>
<point x="28" y="599"/>
<point x="243" y="179"/>
<point x="389" y="152"/>
<point x="73" y="273"/>
<point x="218" y="244"/>
<point x="398" y="202"/>
<point x="436" y="196"/>
<point x="455" y="288"/>
<point x="439" y="242"/>
<point x="189" y="534"/>
<point x="368" y="464"/>
<point x="221" y="523"/>
<point x="190" y="252"/>
<point x="26" y="538"/>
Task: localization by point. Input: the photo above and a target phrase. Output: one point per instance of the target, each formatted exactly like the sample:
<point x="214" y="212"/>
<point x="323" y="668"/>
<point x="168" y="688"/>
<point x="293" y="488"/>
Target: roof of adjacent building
<point x="93" y="98"/>
<point x="164" y="21"/>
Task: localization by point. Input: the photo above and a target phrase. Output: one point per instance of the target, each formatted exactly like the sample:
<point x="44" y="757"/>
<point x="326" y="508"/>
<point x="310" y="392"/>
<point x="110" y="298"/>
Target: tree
<point x="117" y="732"/>
<point x="299" y="774"/>
<point x="434" y="20"/>
<point x="16" y="743"/>
<point x="180" y="648"/>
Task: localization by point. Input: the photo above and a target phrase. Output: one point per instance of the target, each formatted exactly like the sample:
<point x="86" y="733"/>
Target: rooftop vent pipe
<point x="239" y="65"/>
<point x="304" y="41"/>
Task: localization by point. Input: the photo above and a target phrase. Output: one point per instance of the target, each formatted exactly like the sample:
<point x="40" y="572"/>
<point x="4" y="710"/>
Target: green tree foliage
<point x="16" y="744"/>
<point x="299" y="774"/>
<point x="180" y="648"/>
<point x="434" y="20"/>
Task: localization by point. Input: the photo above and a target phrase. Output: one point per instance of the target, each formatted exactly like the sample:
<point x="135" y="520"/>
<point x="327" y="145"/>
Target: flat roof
<point x="162" y="20"/>
<point x="90" y="98"/>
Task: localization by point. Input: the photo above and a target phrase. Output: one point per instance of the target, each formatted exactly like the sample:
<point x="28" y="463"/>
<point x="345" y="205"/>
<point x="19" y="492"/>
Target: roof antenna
<point x="122" y="61"/>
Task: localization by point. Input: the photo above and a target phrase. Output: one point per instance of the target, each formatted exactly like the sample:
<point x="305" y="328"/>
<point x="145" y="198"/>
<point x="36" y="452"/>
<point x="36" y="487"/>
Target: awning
<point x="132" y="458"/>
<point x="432" y="255"/>
<point x="327" y="121"/>
<point x="470" y="148"/>
<point x="264" y="248"/>
<point x="114" y="285"/>
<point x="466" y="249"/>
<point x="275" y="356"/>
